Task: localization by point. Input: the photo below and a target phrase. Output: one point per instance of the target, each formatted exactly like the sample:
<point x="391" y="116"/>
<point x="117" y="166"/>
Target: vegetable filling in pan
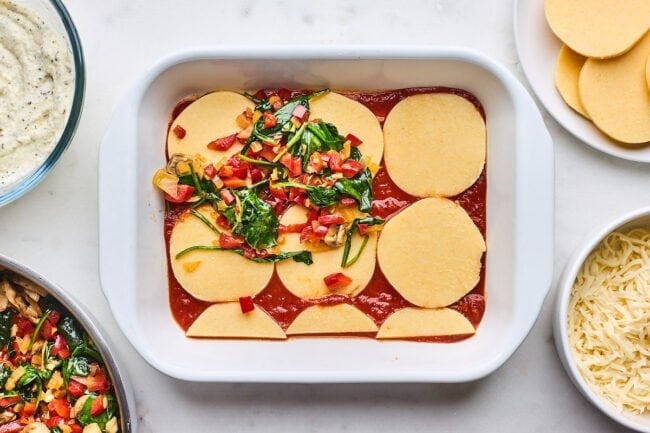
<point x="320" y="213"/>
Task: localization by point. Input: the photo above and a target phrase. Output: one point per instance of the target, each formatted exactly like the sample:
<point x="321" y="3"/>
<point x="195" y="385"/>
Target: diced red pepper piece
<point x="256" y="174"/>
<point x="348" y="201"/>
<point x="60" y="406"/>
<point x="284" y="93"/>
<point x="179" y="132"/>
<point x="277" y="192"/>
<point x="60" y="347"/>
<point x="351" y="168"/>
<point x="269" y="120"/>
<point x="209" y="171"/>
<point x="183" y="193"/>
<point x="29" y="409"/>
<point x="246" y="304"/>
<point x="222" y="222"/>
<point x="98" y="382"/>
<point x="53" y="421"/>
<point x="54" y="317"/>
<point x="316" y="163"/>
<point x="227" y="196"/>
<point x="337" y="281"/>
<point x="234" y="182"/>
<point x="75" y="388"/>
<point x="293" y="164"/>
<point x="276" y="102"/>
<point x="97" y="406"/>
<point x="267" y="153"/>
<point x="47" y="330"/>
<point x="223" y="143"/>
<point x="353" y="139"/>
<point x="23" y="326"/>
<point x="10" y="400"/>
<point x="313" y="235"/>
<point x="329" y="219"/>
<point x="230" y="241"/>
<point x="75" y="428"/>
<point x="335" y="162"/>
<point x="363" y="229"/>
<point x="300" y="112"/>
<point x="240" y="172"/>
<point x="249" y="253"/>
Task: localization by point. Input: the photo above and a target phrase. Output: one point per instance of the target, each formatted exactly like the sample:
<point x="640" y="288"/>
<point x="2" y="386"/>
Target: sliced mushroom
<point x="33" y="311"/>
<point x="36" y="427"/>
<point x="28" y="285"/>
<point x="91" y="428"/>
<point x="7" y="416"/>
<point x="335" y="236"/>
<point x="111" y="425"/>
<point x="4" y="302"/>
<point x="78" y="406"/>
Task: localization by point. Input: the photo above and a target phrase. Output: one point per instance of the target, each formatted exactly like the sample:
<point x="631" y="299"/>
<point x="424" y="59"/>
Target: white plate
<point x="538" y="48"/>
<point x="133" y="268"/>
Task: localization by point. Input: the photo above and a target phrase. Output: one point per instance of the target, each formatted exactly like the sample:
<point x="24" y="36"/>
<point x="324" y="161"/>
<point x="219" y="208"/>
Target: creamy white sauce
<point x="36" y="88"/>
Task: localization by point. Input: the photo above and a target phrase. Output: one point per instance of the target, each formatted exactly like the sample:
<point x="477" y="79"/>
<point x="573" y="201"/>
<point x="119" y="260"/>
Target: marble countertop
<point x="54" y="228"/>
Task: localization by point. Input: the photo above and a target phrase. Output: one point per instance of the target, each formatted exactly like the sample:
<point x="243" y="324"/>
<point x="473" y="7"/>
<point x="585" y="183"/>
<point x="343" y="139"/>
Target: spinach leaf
<point x="86" y="418"/>
<point x="32" y="375"/>
<point x="71" y="331"/>
<point x="328" y="135"/>
<point x="50" y="303"/>
<point x="258" y="223"/>
<point x="5" y="372"/>
<point x="5" y="327"/>
<point x="55" y="429"/>
<point x="369" y="221"/>
<point x="359" y="187"/>
<point x="297" y="256"/>
<point x="323" y="196"/>
<point x="355" y="153"/>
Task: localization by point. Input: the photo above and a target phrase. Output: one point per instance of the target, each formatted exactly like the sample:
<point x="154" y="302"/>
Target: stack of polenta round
<point x="603" y="68"/>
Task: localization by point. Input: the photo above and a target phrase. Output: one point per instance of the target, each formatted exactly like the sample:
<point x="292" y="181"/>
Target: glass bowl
<point x="55" y="15"/>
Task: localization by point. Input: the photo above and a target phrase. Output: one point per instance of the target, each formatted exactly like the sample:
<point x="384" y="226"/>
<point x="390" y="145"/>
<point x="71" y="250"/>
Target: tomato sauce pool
<point x="379" y="299"/>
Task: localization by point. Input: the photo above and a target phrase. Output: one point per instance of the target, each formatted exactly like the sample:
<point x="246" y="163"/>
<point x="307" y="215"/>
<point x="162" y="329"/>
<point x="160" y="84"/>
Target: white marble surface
<point x="54" y="228"/>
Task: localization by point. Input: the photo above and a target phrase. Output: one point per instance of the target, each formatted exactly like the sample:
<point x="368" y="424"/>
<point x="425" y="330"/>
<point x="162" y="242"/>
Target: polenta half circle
<point x="214" y="276"/>
<point x="435" y="144"/>
<point x="227" y="321"/>
<point x="335" y="319"/>
<point x="567" y="72"/>
<point x="350" y="117"/>
<point x="431" y="252"/>
<point x="210" y="117"/>
<point x="422" y="322"/>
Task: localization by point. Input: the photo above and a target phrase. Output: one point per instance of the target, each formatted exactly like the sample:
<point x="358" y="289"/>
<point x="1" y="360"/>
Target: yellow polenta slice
<point x="214" y="276"/>
<point x="208" y="118"/>
<point x="598" y="28"/>
<point x="431" y="252"/>
<point x="421" y="322"/>
<point x="647" y="73"/>
<point x="306" y="281"/>
<point x="435" y="144"/>
<point x="567" y="71"/>
<point x="350" y="117"/>
<point x="227" y="321"/>
<point x="337" y="319"/>
<point x="615" y="94"/>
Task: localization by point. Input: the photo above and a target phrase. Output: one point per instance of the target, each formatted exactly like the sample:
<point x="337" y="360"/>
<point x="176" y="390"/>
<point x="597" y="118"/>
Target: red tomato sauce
<point x="379" y="299"/>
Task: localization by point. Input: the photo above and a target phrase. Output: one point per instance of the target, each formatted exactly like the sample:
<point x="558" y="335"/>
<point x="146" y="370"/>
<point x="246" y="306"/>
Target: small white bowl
<point x="636" y="218"/>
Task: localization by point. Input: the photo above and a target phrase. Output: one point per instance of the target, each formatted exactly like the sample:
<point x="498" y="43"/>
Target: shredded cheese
<point x="609" y="320"/>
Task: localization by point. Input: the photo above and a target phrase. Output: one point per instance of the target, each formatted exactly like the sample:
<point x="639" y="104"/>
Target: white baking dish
<point x="519" y="232"/>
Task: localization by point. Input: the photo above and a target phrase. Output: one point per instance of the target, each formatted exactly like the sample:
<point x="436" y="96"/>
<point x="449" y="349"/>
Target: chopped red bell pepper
<point x="23" y="326"/>
<point x="297" y="195"/>
<point x="335" y="162"/>
<point x="230" y="241"/>
<point x="337" y="281"/>
<point x="269" y="120"/>
<point x="222" y="222"/>
<point x="9" y="400"/>
<point x="284" y="93"/>
<point x="97" y="406"/>
<point x="183" y="193"/>
<point x="60" y="406"/>
<point x="246" y="304"/>
<point x="267" y="153"/>
<point x="227" y="196"/>
<point x="316" y="163"/>
<point x="179" y="132"/>
<point x="209" y="171"/>
<point x="75" y="428"/>
<point x="53" y="421"/>
<point x="47" y="330"/>
<point x="300" y="112"/>
<point x="277" y="192"/>
<point x="223" y="143"/>
<point x="98" y="382"/>
<point x="353" y="139"/>
<point x="75" y="388"/>
<point x="293" y="164"/>
<point x="363" y="229"/>
<point x="348" y="201"/>
<point x="60" y="347"/>
<point x="329" y="219"/>
<point x="351" y="168"/>
<point x="28" y="410"/>
<point x="256" y="174"/>
<point x="234" y="182"/>
<point x="54" y="317"/>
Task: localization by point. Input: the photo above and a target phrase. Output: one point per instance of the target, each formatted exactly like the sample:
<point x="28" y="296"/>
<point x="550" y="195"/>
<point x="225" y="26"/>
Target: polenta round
<point x="431" y="252"/>
<point x="598" y="28"/>
<point x="615" y="94"/>
<point x="307" y="282"/>
<point x="208" y="118"/>
<point x="423" y="322"/>
<point x="350" y="117"/>
<point x="214" y="276"/>
<point x="567" y="72"/>
<point x="434" y="144"/>
<point x="336" y="319"/>
<point x="227" y="321"/>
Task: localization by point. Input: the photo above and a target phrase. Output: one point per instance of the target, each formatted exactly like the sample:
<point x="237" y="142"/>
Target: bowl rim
<point x="28" y="183"/>
<point x="119" y="378"/>
<point x="560" y="331"/>
<point x="526" y="316"/>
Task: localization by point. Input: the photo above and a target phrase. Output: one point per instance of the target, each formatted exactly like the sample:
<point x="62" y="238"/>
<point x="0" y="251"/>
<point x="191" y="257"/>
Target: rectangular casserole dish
<point x="133" y="268"/>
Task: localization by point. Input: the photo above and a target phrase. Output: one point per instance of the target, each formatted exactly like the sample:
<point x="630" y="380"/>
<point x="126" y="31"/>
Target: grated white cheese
<point x="609" y="320"/>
